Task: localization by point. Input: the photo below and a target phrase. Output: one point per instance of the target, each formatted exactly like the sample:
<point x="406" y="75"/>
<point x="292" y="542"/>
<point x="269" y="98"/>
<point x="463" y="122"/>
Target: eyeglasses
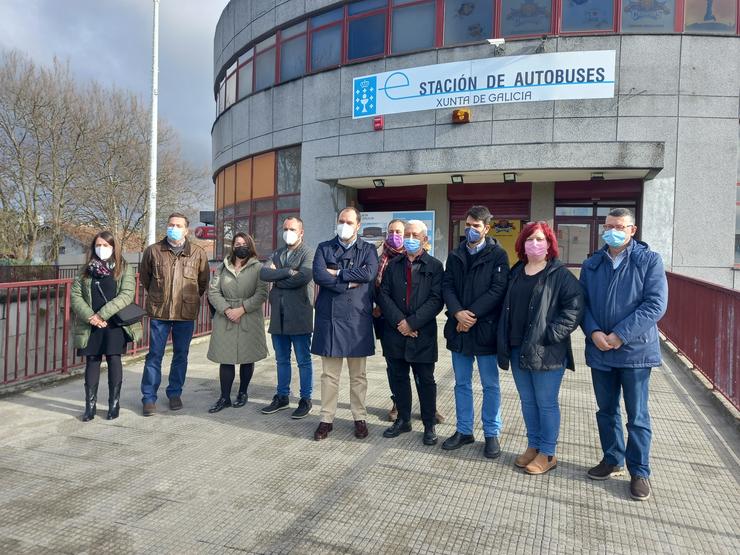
<point x="607" y="227"/>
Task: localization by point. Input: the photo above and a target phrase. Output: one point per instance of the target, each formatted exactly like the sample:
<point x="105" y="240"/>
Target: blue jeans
<point x="491" y="411"/>
<point x="633" y="383"/>
<point x="182" y="333"/>
<point x="302" y="347"/>
<point x="538" y="392"/>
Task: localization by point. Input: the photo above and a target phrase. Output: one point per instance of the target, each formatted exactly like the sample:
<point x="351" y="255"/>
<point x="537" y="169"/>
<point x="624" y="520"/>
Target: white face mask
<point x="290" y="237"/>
<point x="345" y="231"/>
<point x="104" y="253"/>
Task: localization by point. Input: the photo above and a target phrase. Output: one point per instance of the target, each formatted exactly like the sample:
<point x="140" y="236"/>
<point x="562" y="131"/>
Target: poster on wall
<point x="374" y="224"/>
<point x="505" y="231"/>
<point x="710" y="16"/>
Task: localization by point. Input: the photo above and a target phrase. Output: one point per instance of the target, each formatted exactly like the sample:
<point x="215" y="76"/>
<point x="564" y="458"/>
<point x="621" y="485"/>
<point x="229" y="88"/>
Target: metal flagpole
<point x="152" y="235"/>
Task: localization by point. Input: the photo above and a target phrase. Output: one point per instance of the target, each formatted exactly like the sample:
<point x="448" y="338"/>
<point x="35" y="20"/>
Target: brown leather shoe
<point x="175" y="403"/>
<point x="323" y="431"/>
<point x="361" y="429"/>
<point x="149" y="409"/>
<point x="439" y="418"/>
<point x="393" y="413"/>
<point x="541" y="464"/>
<point x="525" y="458"/>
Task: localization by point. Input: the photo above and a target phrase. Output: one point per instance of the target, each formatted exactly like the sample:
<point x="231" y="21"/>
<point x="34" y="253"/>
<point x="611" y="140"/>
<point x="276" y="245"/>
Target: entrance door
<point x="579" y="227"/>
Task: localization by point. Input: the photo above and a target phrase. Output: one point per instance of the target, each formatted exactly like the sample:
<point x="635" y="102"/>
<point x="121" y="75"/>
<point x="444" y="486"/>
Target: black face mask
<point x="241" y="252"/>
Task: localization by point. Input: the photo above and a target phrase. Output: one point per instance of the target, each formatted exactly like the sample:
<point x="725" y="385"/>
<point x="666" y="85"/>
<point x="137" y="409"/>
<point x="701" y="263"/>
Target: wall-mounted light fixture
<point x="379" y="183"/>
<point x="457" y="179"/>
<point x="461" y="115"/>
<point x="509" y="177"/>
<point x="597" y="176"/>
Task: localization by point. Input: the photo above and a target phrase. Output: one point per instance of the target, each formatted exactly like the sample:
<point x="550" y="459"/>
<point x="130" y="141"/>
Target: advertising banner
<point x="556" y="76"/>
<point x="374" y="224"/>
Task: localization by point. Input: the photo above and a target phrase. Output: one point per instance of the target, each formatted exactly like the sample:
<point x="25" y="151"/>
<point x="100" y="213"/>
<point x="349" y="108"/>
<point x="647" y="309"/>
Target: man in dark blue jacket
<point x="626" y="294"/>
<point x="473" y="289"/>
<point x="344" y="268"/>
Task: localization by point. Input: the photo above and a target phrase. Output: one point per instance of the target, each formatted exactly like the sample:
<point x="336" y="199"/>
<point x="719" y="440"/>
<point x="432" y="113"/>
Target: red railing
<point x="36" y="326"/>
<point x="701" y="321"/>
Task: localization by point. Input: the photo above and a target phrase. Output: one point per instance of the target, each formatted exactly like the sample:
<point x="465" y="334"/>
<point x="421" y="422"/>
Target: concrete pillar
<point x="542" y="207"/>
<point x="437" y="201"/>
<point x="657" y="216"/>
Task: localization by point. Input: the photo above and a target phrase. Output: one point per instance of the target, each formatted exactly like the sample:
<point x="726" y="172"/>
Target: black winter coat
<point x="480" y="289"/>
<point x="421" y="314"/>
<point x="555" y="311"/>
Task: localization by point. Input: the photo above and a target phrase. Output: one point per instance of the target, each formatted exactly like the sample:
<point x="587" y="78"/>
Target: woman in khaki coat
<point x="238" y="337"/>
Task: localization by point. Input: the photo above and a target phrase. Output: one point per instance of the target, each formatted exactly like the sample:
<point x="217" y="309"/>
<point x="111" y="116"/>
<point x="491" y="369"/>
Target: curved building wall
<point x="674" y="113"/>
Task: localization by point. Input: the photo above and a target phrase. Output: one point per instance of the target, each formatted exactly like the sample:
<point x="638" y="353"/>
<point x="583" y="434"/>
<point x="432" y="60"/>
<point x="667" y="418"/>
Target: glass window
<point x="241" y="225"/>
<point x="264" y="70"/>
<point x="326" y="47"/>
<point x="264" y="205"/>
<point x="413" y="28"/>
<point x="366" y="6"/>
<point x="525" y="17"/>
<point x="230" y="91"/>
<point x="366" y="37"/>
<point x="267" y="43"/>
<point x="246" y="56"/>
<point x="574" y="211"/>
<point x="296" y="29"/>
<point x="587" y="15"/>
<point x="467" y="20"/>
<point x="288" y="201"/>
<point x="573" y="242"/>
<point x="326" y="18"/>
<point x="648" y="16"/>
<point x="263" y="234"/>
<point x="293" y="58"/>
<point x="221" y="97"/>
<point x="245" y="80"/>
<point x="710" y="16"/>
<point x="289" y="171"/>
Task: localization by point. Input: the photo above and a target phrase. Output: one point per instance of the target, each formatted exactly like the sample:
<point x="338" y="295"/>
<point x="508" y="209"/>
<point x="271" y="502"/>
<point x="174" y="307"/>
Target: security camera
<point x="496" y="42"/>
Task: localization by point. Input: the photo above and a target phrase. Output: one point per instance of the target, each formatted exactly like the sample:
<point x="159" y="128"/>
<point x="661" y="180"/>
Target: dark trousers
<point x="426" y="388"/>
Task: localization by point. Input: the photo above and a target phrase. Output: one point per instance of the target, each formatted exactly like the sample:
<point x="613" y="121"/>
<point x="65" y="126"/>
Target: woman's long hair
<point x="250" y="245"/>
<point x="116" y="257"/>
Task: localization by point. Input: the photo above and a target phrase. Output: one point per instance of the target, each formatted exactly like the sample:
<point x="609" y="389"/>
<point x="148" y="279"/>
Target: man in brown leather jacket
<point x="175" y="274"/>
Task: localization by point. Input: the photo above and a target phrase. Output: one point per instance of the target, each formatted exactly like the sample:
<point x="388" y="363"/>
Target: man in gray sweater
<point x="289" y="269"/>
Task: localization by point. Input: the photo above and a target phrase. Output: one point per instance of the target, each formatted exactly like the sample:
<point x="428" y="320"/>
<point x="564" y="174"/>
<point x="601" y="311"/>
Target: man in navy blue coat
<point x="344" y="268"/>
<point x="626" y="294"/>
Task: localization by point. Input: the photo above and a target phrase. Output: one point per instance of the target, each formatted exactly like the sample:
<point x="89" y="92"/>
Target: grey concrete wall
<point x="675" y="109"/>
<point x="437" y="201"/>
<point x="542" y="204"/>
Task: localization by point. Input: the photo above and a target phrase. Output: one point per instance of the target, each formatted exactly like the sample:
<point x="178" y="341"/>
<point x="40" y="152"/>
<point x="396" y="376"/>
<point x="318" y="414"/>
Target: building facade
<point x="664" y="144"/>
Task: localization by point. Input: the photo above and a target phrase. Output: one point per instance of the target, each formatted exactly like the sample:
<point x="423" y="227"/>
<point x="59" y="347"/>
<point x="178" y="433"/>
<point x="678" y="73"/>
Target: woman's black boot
<point x="91" y="398"/>
<point x="114" y="401"/>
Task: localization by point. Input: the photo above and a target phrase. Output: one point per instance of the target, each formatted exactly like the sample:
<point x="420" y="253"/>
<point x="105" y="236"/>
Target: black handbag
<point x="127" y="315"/>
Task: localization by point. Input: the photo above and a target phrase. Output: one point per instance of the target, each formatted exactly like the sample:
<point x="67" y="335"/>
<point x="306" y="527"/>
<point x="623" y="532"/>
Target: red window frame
<point x="554" y="18"/>
<point x="263" y="52"/>
<point x="280" y="42"/>
<point x="616" y="21"/>
<point x="441" y="29"/>
<point x="364" y="15"/>
<point x="312" y="30"/>
<point x="395" y="4"/>
<point x="244" y="59"/>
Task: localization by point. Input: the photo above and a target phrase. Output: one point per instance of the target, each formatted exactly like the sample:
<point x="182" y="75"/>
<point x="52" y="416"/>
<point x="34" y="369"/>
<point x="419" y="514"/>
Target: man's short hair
<point x="353" y="209"/>
<point x="421" y="224"/>
<point x="623" y="213"/>
<point x="480" y="213"/>
<point x="296" y="218"/>
<point x="396" y="221"/>
<point x="179" y="215"/>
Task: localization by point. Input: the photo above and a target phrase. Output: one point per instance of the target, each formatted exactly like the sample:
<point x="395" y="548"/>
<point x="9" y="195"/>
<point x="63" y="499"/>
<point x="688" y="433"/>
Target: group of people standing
<point x="519" y="318"/>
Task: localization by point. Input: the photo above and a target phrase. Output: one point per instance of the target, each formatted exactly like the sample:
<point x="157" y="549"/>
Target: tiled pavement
<point x="239" y="481"/>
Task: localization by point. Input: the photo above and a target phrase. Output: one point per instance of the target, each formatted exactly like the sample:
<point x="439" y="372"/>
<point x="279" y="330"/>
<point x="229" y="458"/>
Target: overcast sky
<point x="110" y="41"/>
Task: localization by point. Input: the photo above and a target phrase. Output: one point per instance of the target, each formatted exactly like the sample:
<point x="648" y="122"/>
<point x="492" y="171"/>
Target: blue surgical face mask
<point x="411" y="245"/>
<point x="472" y="235"/>
<point x="614" y="238"/>
<point x="175" y="233"/>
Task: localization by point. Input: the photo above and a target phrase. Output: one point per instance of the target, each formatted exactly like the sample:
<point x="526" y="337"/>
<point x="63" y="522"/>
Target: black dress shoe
<point x="241" y="400"/>
<point x="430" y="436"/>
<point x="399" y="427"/>
<point x="220" y="405"/>
<point x="457" y="440"/>
<point x="492" y="449"/>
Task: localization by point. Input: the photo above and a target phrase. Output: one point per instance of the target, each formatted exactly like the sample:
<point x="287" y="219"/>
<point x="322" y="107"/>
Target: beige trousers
<point x="331" y="369"/>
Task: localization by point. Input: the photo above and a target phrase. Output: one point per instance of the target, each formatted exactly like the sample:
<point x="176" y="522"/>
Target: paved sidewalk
<point x="239" y="481"/>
